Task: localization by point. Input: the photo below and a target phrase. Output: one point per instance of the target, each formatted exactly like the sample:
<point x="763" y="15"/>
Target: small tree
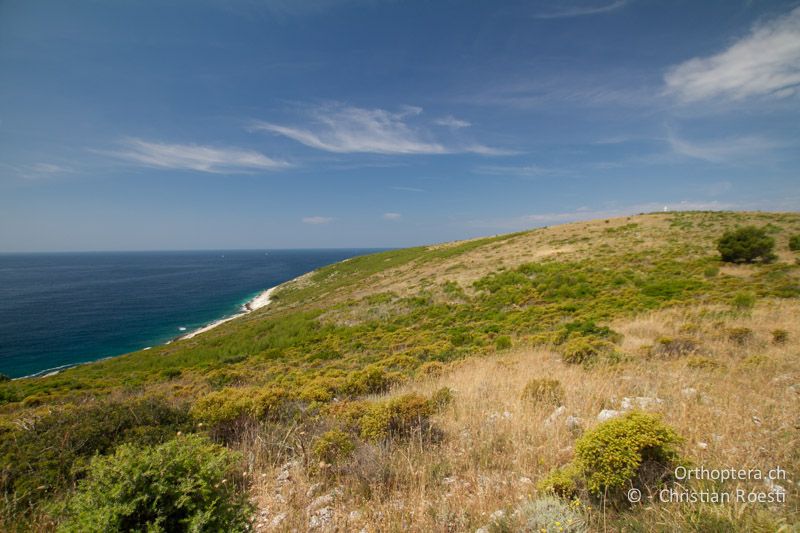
<point x="745" y="245"/>
<point x="794" y="243"/>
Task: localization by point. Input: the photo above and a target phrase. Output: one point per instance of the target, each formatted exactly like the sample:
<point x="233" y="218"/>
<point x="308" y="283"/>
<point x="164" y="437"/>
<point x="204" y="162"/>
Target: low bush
<point x="746" y="245"/>
<point x="396" y="418"/>
<point x="371" y="380"/>
<point x="544" y="392"/>
<point x="186" y="484"/>
<point x="780" y="336"/>
<point x="502" y="342"/>
<point x="702" y="362"/>
<point x="223" y="410"/>
<point x="794" y="243"/>
<point x="582" y="350"/>
<point x="552" y="515"/>
<point x="744" y="300"/>
<point x="637" y="449"/>
<point x="333" y="447"/>
<point x="47" y="458"/>
<point x="348" y="413"/>
<point x="431" y="369"/>
<point x="562" y="482"/>
<point x="441" y="398"/>
<point x="740" y="335"/>
<point x="674" y="347"/>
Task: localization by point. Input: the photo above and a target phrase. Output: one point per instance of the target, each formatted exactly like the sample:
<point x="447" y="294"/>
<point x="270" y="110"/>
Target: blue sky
<point x="208" y="124"/>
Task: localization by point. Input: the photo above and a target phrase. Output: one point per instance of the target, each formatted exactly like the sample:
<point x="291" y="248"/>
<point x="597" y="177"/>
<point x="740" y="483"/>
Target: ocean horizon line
<point x="203" y="250"/>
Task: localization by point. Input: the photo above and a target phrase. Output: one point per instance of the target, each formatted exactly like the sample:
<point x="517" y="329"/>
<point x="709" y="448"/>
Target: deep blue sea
<point x="67" y="308"/>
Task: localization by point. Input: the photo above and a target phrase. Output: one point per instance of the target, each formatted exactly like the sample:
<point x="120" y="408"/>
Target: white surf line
<point x="262" y="300"/>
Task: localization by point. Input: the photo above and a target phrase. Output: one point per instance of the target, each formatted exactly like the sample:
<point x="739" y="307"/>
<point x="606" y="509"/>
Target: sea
<point x="62" y="309"/>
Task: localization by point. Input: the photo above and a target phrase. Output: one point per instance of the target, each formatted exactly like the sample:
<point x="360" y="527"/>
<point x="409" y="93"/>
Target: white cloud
<point x="723" y="150"/>
<point x="37" y="171"/>
<point x="195" y="157"/>
<point x="581" y="10"/>
<point x="524" y="171"/>
<point x="609" y="87"/>
<point x="392" y="216"/>
<point x="452" y="122"/>
<point x="766" y="62"/>
<point x="316" y="220"/>
<point x="407" y="189"/>
<point x="345" y="129"/>
<point x="481" y="149"/>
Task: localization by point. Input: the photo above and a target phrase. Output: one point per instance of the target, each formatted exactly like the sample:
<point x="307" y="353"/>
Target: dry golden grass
<point x="738" y="408"/>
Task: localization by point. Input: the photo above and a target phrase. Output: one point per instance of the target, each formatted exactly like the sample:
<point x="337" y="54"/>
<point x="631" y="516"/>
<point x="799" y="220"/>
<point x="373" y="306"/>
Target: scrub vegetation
<point x="448" y="388"/>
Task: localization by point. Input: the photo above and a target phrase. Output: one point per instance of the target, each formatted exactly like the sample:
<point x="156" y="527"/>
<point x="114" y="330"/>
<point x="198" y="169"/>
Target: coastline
<point x="261" y="300"/>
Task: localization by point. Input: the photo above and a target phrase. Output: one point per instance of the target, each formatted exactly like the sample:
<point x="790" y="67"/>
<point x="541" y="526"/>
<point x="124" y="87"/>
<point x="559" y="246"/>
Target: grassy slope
<point x="396" y="310"/>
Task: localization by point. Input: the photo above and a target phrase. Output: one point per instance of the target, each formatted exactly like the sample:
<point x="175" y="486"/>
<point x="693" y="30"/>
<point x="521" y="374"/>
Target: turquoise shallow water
<point x="67" y="308"/>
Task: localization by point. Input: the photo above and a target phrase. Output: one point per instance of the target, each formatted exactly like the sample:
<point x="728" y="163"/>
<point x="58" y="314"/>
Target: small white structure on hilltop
<point x="666" y="209"/>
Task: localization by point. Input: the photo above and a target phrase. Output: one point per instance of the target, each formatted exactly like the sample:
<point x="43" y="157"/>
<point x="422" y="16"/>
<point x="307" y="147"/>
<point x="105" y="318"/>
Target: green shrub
<point x="320" y="390"/>
<point x="755" y="360"/>
<point x="333" y="447"/>
<point x="3" y="377"/>
<point x="794" y="243"/>
<point x="8" y="394"/>
<point x="740" y="335"/>
<point x="636" y="449"/>
<point x="711" y="272"/>
<point x="544" y="392"/>
<point x="746" y="245"/>
<point x="186" y="484"/>
<point x="397" y="418"/>
<point x="231" y="405"/>
<point x="552" y="515"/>
<point x="780" y="336"/>
<point x="348" y="412"/>
<point x="674" y="347"/>
<point x="581" y="350"/>
<point x="562" y="482"/>
<point x="170" y="373"/>
<point x="441" y="398"/>
<point x="503" y="342"/>
<point x="702" y="362"/>
<point x="744" y="300"/>
<point x="586" y="328"/>
<point x="371" y="380"/>
<point x="48" y="457"/>
<point x="431" y="369"/>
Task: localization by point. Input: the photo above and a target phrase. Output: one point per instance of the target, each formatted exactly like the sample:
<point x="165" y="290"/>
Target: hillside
<point x="386" y="392"/>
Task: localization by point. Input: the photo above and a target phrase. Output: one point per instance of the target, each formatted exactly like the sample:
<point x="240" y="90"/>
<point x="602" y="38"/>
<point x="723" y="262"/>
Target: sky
<point x="231" y="124"/>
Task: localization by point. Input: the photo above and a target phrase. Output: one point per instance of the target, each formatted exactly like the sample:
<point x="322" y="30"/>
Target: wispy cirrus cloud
<point x="521" y="171"/>
<point x="345" y="129"/>
<point x="407" y="189"/>
<point x="568" y="10"/>
<point x="194" y="157"/>
<point x="611" y="87"/>
<point x="452" y="122"/>
<point x="37" y="171"/>
<point x="730" y="149"/>
<point x="316" y="220"/>
<point x="766" y="62"/>
<point x="392" y="216"/>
